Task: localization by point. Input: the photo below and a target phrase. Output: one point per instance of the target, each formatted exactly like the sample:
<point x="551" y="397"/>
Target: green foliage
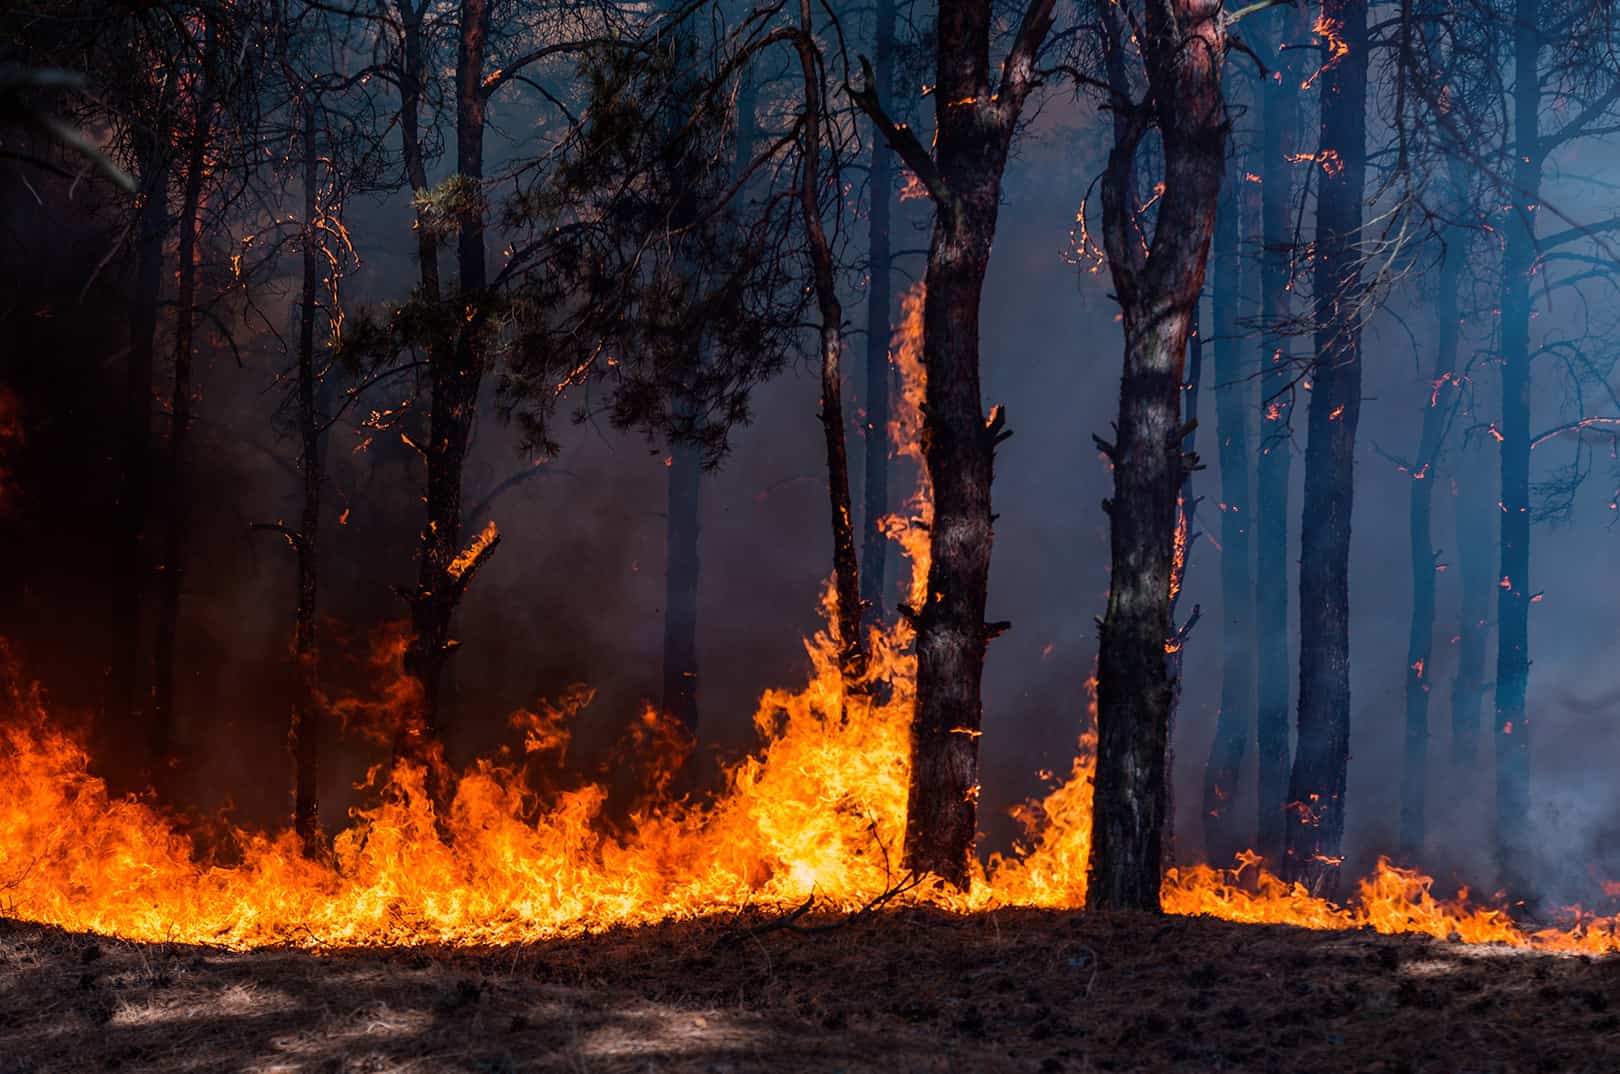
<point x="656" y="274"/>
<point x="442" y="209"/>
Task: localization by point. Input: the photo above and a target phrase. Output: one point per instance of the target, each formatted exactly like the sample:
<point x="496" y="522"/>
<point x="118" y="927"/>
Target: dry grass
<point x="902" y="991"/>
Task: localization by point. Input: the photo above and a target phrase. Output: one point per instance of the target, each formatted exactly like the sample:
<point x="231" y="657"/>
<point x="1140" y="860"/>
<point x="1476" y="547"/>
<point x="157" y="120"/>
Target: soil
<point x="895" y="992"/>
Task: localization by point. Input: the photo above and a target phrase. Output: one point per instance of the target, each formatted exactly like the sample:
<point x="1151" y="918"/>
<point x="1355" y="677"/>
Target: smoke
<point x="575" y="592"/>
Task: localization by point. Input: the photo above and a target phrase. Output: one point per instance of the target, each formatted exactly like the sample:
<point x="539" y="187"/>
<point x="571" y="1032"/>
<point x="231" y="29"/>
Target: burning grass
<point x="817" y="811"/>
<point x="907" y="990"/>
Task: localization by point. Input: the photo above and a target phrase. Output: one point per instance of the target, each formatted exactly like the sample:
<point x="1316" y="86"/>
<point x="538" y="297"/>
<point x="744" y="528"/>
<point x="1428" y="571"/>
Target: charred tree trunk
<point x="683" y="521"/>
<point x="444" y="570"/>
<point x="1280" y="119"/>
<point x="974" y="125"/>
<point x="1420" y="639"/>
<point x="303" y="734"/>
<point x="1158" y="285"/>
<point x="1316" y="786"/>
<point x="1175" y="644"/>
<point x="682" y="572"/>
<point x="171" y="575"/>
<point x="879" y="374"/>
<point x="121" y="709"/>
<point x="846" y="570"/>
<point x="959" y="448"/>
<point x="411" y="72"/>
<point x="1476" y="514"/>
<point x="1232" y="398"/>
<point x="1513" y="594"/>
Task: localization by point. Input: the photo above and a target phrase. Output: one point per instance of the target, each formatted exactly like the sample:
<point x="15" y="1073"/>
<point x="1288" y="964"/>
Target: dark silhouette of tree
<point x="332" y="152"/>
<point x="975" y="119"/>
<point x="879" y="308"/>
<point x="1234" y="394"/>
<point x="1281" y="42"/>
<point x="1158" y="268"/>
<point x="1316" y="787"/>
<point x="202" y="98"/>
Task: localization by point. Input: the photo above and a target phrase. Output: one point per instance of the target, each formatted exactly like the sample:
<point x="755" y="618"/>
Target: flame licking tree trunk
<point x="456" y="369"/>
<point x="1158" y="281"/>
<point x="171" y="576"/>
<point x="1438" y="404"/>
<point x="880" y="183"/>
<point x="1315" y="816"/>
<point x="1279" y="138"/>
<point x="1519" y="260"/>
<point x="1233" y="394"/>
<point x="974" y="126"/>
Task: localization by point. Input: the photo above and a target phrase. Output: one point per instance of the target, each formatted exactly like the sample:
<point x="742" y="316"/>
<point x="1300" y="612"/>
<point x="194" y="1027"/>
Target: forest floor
<point x="896" y="992"/>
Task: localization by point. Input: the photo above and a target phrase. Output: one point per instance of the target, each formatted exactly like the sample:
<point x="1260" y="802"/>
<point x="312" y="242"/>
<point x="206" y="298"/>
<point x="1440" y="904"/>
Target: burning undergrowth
<point x="496" y="854"/>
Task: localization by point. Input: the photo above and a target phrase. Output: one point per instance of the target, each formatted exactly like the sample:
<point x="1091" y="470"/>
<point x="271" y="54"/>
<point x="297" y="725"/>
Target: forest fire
<point x="816" y="812"/>
<point x="513" y="519"/>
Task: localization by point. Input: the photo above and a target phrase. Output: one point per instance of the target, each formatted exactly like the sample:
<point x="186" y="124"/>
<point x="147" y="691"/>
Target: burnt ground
<point x="896" y="992"/>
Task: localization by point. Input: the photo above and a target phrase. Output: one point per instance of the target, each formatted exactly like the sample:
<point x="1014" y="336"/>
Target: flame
<point x="470" y="555"/>
<point x="910" y="529"/>
<point x="818" y="810"/>
<point x="1331" y="31"/>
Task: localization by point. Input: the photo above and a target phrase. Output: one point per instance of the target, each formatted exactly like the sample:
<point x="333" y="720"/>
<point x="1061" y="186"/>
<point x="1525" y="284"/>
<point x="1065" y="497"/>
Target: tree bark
<point x="454" y="376"/>
<point x="879" y="373"/>
<point x="1175" y="643"/>
<point x="171" y="575"/>
<point x="411" y="73"/>
<point x="1476" y="514"/>
<point x="121" y="708"/>
<point x="1513" y="851"/>
<point x="846" y="569"/>
<point x="1158" y="289"/>
<point x="681" y="575"/>
<point x="303" y="741"/>
<point x="1316" y="787"/>
<point x="1280" y="120"/>
<point x="1424" y="473"/>
<point x="973" y="130"/>
<point x="1233" y="396"/>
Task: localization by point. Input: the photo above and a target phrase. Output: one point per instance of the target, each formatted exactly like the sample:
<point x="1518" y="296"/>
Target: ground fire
<point x="518" y="555"/>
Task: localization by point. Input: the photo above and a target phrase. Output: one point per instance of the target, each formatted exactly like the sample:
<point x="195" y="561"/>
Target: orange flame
<point x="817" y="809"/>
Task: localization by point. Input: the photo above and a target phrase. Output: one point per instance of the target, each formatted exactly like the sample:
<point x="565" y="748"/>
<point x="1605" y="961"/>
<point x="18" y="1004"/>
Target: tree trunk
<point x="1280" y="119"/>
<point x="879" y="373"/>
<point x="846" y="571"/>
<point x="1513" y="595"/>
<point x="959" y="448"/>
<point x="1175" y="643"/>
<point x="681" y="583"/>
<point x="1233" y="395"/>
<point x="1316" y="787"/>
<point x="454" y="377"/>
<point x="1476" y="514"/>
<point x="974" y="126"/>
<point x="1158" y="292"/>
<point x="1423" y="472"/>
<point x="303" y="732"/>
<point x="121" y="709"/>
<point x="410" y="125"/>
<point x="171" y="575"/>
